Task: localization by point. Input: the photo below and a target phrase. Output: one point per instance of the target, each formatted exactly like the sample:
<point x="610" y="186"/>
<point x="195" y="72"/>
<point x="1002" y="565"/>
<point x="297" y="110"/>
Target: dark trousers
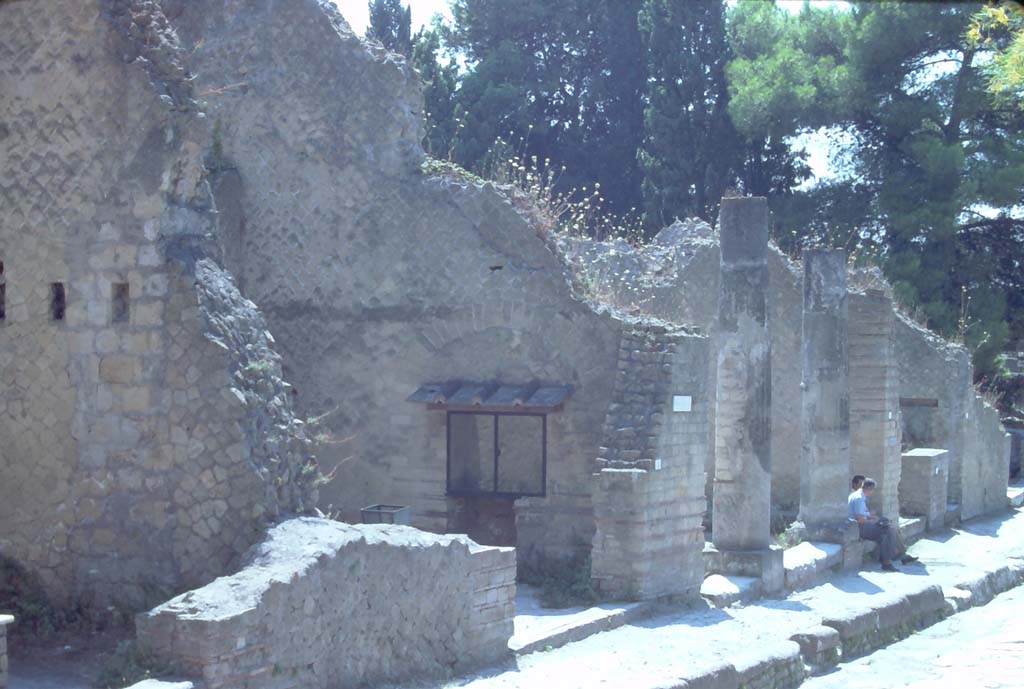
<point x="890" y="546"/>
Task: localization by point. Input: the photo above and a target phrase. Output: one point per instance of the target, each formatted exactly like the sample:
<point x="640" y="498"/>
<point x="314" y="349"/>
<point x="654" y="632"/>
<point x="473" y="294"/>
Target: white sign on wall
<point x="682" y="403"/>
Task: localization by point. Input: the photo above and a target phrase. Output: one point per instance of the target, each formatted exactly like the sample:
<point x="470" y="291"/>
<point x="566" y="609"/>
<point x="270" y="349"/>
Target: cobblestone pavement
<point x="982" y="648"/>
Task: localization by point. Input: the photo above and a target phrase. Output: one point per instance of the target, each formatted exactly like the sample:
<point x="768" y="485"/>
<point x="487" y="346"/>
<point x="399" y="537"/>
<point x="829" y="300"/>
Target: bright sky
<point x="357" y="13"/>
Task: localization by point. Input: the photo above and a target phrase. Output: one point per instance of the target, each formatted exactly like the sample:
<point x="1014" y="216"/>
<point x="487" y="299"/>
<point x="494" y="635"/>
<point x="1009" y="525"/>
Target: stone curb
<point x="588" y="629"/>
<point x="845" y="635"/>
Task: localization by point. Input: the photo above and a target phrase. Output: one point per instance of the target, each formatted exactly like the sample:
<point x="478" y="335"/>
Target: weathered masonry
<point x="266" y="260"/>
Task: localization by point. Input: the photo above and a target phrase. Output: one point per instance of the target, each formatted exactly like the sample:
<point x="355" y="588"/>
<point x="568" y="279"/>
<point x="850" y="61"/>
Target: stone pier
<point x="874" y="398"/>
<point x="4" y="621"/>
<point x="825" y="399"/>
<point x="743" y="466"/>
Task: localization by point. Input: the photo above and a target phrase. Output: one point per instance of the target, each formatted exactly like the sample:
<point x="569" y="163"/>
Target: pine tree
<point x="391" y="24"/>
<point x="690" y="152"/>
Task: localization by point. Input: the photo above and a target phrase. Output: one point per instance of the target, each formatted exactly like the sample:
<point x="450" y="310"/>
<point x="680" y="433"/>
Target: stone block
<point x="765" y="565"/>
<point x="119" y="369"/>
<point x="819" y="646"/>
<point x="924" y="484"/>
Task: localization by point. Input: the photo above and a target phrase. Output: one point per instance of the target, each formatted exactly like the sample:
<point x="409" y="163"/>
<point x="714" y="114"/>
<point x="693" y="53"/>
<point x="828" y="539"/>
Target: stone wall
<point x="985" y="469"/>
<point x="675" y="278"/>
<point x="319" y="602"/>
<point x="649" y="485"/>
<point x="377" y="278"/>
<point x="942" y="408"/>
<point x="138" y="457"/>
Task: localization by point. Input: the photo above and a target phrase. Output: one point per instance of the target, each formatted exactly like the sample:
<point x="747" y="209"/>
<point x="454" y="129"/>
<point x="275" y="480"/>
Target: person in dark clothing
<point x="874" y="528"/>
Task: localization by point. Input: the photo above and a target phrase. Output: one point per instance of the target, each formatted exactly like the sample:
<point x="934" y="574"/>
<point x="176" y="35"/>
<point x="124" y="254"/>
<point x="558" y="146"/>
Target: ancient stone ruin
<point x="234" y="293"/>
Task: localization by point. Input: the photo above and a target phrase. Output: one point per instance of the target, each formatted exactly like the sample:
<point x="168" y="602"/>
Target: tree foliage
<point x="660" y="106"/>
<point x="391" y="24"/>
<point x="935" y="165"/>
<point x="1000" y="28"/>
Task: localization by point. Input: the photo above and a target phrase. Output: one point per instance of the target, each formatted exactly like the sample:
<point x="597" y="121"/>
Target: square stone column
<point x="741" y="533"/>
<point x="874" y="398"/>
<point x="825" y="399"/>
<point x="743" y="462"/>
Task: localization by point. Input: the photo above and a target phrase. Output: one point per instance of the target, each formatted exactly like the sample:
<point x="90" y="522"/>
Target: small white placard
<point x="657" y="464"/>
<point x="681" y="403"/>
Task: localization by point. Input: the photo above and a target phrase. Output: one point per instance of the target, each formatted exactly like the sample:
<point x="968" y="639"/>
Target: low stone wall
<point x="321" y="600"/>
<point x="4" y="621"/>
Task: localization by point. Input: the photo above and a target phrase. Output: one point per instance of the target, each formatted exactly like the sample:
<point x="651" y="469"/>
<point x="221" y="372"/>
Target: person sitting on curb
<point x="874" y="528"/>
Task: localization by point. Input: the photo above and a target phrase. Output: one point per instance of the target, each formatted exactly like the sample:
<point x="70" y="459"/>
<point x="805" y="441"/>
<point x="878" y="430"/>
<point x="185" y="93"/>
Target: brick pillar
<point x="743" y="464"/>
<point x="874" y="398"/>
<point x="648" y="493"/>
<point x="825" y="399"/>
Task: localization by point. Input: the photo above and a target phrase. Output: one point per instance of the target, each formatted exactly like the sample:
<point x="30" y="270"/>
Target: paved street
<point x="978" y="649"/>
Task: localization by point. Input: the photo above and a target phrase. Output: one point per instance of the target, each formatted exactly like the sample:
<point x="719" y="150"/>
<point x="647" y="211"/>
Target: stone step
<point x="1015" y="496"/>
<point x="806" y="562"/>
<point x="540" y="629"/>
<point x="912" y="528"/>
<point x="722" y="591"/>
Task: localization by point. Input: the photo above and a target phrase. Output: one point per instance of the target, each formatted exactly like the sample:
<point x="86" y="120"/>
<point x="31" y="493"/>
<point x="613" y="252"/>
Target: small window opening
<point x="3" y="293"/>
<point x="120" y="303"/>
<point x="58" y="301"/>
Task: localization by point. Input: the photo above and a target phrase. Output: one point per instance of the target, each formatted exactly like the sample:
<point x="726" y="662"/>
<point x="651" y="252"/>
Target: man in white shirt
<point x="873" y="528"/>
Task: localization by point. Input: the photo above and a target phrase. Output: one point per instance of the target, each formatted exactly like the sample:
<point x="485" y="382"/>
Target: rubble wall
<point x="318" y="600"/>
<point x="132" y="456"/>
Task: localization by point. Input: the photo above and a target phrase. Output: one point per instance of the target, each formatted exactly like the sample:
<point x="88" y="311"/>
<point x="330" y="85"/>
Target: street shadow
<point x="778" y="604"/>
<point x="699" y="614"/>
<point x="856" y="584"/>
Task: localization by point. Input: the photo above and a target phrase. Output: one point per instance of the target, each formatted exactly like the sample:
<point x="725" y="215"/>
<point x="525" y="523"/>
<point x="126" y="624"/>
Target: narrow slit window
<point x="58" y="301"/>
<point x="3" y="301"/>
<point x="120" y="304"/>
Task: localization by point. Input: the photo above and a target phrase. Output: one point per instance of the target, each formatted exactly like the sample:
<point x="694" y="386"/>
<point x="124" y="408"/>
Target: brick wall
<point x="320" y="602"/>
<point x="649" y="486"/>
<point x="874" y="398"/>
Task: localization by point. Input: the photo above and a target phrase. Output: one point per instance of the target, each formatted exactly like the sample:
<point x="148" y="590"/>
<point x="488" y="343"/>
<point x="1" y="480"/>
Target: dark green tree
<point x="935" y="166"/>
<point x="690" y="152"/>
<point x="559" y="81"/>
<point x="391" y="24"/>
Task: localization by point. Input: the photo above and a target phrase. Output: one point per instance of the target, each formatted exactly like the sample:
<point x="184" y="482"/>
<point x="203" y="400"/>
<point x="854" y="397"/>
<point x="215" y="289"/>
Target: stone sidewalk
<point x="749" y="646"/>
